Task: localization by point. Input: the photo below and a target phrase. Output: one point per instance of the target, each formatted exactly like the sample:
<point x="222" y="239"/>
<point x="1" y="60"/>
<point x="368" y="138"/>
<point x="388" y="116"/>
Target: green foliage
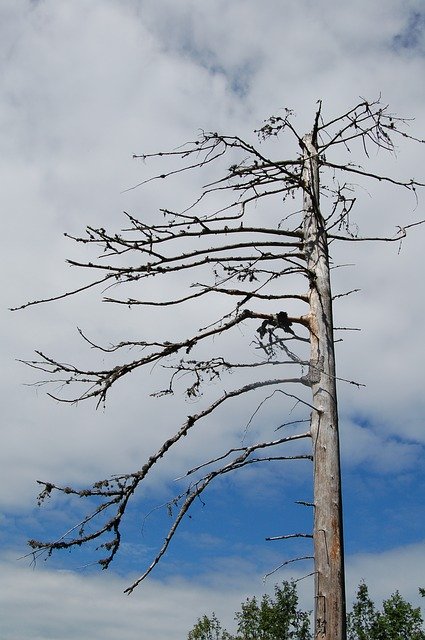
<point x="279" y="618"/>
<point x="398" y="620"/>
<point x="362" y="620"/>
<point x="275" y="618"/>
<point x="208" y="629"/>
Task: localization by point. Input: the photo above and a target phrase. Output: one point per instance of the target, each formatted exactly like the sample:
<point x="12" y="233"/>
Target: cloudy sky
<point x="86" y="84"/>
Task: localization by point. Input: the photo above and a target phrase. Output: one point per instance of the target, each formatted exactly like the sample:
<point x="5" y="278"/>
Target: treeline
<point x="280" y="618"/>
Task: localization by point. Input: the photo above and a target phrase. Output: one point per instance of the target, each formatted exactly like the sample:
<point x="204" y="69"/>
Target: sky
<point x="85" y="85"/>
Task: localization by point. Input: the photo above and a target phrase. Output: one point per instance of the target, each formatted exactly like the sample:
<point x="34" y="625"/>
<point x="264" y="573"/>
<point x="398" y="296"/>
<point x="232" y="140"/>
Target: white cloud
<point x="401" y="569"/>
<point x="88" y="84"/>
<point x="44" y="604"/>
<point x="40" y="603"/>
<point x="364" y="445"/>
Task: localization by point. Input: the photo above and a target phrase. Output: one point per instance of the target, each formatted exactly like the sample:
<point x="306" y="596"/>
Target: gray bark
<point x="327" y="532"/>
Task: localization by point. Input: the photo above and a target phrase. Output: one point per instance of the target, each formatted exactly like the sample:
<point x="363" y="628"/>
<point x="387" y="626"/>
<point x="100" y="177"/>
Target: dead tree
<point x="246" y="263"/>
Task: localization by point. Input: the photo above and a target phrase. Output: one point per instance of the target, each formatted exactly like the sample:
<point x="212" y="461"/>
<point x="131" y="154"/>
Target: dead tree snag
<point x="252" y="262"/>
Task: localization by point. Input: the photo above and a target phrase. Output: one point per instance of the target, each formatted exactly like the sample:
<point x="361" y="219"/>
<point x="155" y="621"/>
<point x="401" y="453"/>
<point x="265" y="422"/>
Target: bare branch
<point x="347" y="293"/>
<point x="284" y="564"/>
<point x="63" y="295"/>
<point x="194" y="492"/>
<point x="399" y="236"/>
<point x="250" y="449"/>
<point x="290" y="535"/>
<point x="408" y="184"/>
<point x="247" y="295"/>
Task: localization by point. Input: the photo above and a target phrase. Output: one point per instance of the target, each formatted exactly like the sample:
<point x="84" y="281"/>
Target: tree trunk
<point x="327" y="533"/>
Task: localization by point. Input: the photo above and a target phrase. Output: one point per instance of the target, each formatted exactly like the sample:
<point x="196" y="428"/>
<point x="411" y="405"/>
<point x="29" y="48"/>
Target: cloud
<point x="41" y="603"/>
<point x="411" y="37"/>
<point x="66" y="605"/>
<point x="400" y="568"/>
<point x="366" y="445"/>
<point x="88" y="85"/>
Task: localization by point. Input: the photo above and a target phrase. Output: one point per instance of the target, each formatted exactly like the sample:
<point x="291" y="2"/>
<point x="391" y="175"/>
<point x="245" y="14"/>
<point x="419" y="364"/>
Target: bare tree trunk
<point x="327" y="533"/>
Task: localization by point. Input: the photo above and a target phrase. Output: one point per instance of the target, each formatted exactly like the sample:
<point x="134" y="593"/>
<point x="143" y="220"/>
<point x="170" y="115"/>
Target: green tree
<point x="362" y="620"/>
<point x="398" y="620"/>
<point x="208" y="629"/>
<point x="275" y="618"/>
<point x="279" y="618"/>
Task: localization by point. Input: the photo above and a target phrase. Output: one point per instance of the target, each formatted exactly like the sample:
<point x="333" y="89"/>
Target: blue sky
<point x="84" y="86"/>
